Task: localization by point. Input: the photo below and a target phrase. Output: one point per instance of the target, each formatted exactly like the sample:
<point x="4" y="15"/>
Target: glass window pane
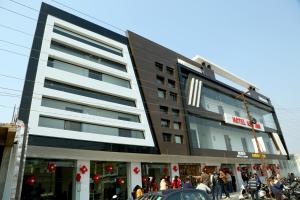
<point x="89" y="128"/>
<point x="86" y="40"/>
<point x="209" y="134"/>
<point x="87" y="73"/>
<point x="88" y="93"/>
<point x="51" y="122"/>
<point x="72" y="126"/>
<point x="178" y="139"/>
<point x="116" y="81"/>
<point x="176" y="125"/>
<point x="62" y="105"/>
<point x="217" y="102"/>
<point x="167" y="137"/>
<point x="81" y="54"/>
<point x="164" y="123"/>
<point x="161" y="93"/>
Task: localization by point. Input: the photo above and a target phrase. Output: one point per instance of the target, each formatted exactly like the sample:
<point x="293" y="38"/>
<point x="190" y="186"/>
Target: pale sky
<point x="256" y="40"/>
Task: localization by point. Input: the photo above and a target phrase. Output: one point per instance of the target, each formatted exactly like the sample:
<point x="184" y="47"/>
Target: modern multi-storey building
<point x="107" y="112"/>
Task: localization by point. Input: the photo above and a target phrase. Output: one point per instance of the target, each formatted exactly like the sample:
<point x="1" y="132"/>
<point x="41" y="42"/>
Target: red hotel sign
<point x="238" y="121"/>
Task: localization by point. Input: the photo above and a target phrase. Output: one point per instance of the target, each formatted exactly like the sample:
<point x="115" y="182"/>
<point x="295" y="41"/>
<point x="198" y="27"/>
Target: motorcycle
<point x="264" y="192"/>
<point x="244" y="194"/>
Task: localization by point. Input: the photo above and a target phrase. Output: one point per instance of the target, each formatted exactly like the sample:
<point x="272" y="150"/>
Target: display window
<point x="108" y="179"/>
<point x="152" y="173"/>
<point x="48" y="179"/>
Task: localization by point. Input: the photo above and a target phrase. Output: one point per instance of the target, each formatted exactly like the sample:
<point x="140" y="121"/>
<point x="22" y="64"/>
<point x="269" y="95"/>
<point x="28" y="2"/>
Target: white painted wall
<point x="88" y="83"/>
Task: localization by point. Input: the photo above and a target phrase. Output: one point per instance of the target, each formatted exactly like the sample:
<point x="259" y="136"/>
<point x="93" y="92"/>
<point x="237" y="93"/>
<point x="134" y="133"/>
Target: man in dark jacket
<point x="253" y="187"/>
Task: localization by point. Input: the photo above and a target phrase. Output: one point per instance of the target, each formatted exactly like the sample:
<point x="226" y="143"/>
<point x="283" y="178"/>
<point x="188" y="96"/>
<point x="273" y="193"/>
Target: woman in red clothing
<point x="176" y="183"/>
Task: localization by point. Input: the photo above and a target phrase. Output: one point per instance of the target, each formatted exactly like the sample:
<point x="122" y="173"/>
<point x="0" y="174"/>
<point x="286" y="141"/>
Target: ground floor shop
<point x="52" y="173"/>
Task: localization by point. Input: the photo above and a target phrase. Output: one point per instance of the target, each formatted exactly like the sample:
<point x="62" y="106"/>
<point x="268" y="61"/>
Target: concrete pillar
<point x="174" y="170"/>
<point x="82" y="188"/>
<point x="5" y="173"/>
<point x="134" y="176"/>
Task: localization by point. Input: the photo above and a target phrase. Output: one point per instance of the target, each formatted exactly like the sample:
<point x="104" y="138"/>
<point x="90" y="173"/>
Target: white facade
<point x="72" y="79"/>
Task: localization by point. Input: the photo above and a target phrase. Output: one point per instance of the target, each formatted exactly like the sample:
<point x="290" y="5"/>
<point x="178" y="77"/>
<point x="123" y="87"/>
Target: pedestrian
<point x="253" y="187"/>
<point x="137" y="192"/>
<point x="276" y="188"/>
<point x="258" y="181"/>
<point x="187" y="184"/>
<point x="229" y="182"/>
<point x="163" y="185"/>
<point x="202" y="186"/>
<point x="292" y="178"/>
<point x="233" y="183"/>
<point x="216" y="186"/>
<point x="205" y="178"/>
<point x="223" y="182"/>
<point x="176" y="183"/>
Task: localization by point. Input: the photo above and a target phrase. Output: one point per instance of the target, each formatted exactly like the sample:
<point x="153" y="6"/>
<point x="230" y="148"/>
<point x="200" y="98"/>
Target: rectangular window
<point x="75" y="69"/>
<point x="88" y="128"/>
<point x="175" y="112"/>
<point x="178" y="139"/>
<point x="72" y="109"/>
<point x="86" y="40"/>
<point x="87" y="56"/>
<point x="170" y="71"/>
<point x="167" y="137"/>
<point x="161" y="93"/>
<point x="95" y="75"/>
<point x="89" y="110"/>
<point x="212" y="100"/>
<point x="245" y="145"/>
<point x="160" y="80"/>
<point x="173" y="96"/>
<point x="171" y="83"/>
<point x="176" y="125"/>
<point x="72" y="125"/>
<point x="163" y="109"/>
<point x="165" y="123"/>
<point x="221" y="110"/>
<point x="228" y="142"/>
<point x="159" y="66"/>
<point x="88" y="93"/>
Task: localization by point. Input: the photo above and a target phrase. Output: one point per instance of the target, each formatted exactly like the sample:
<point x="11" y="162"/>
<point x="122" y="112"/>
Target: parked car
<point x="182" y="194"/>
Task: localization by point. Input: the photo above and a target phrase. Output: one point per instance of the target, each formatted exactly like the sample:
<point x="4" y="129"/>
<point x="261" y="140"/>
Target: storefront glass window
<point x="108" y="179"/>
<point x="153" y="173"/>
<point x="48" y="179"/>
<point x="217" y="102"/>
<point x="209" y="134"/>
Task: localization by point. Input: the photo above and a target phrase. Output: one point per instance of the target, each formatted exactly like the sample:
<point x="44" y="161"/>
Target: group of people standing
<point x="221" y="182"/>
<point x="216" y="183"/>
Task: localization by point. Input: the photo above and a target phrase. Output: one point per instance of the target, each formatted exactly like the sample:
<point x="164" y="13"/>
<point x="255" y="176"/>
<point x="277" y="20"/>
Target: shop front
<point x="108" y="179"/>
<point x="152" y="173"/>
<point x="48" y="179"/>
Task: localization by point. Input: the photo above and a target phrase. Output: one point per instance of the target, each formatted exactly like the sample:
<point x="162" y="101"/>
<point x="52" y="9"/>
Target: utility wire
<point x="99" y="20"/>
<point x="36" y="20"/>
<point x="69" y="7"/>
<point x="17" y="13"/>
<point x="31" y="8"/>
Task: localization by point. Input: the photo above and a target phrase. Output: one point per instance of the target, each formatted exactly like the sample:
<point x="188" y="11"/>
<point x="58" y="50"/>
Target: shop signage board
<point x="242" y="122"/>
<point x="258" y="155"/>
<point x="241" y="154"/>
